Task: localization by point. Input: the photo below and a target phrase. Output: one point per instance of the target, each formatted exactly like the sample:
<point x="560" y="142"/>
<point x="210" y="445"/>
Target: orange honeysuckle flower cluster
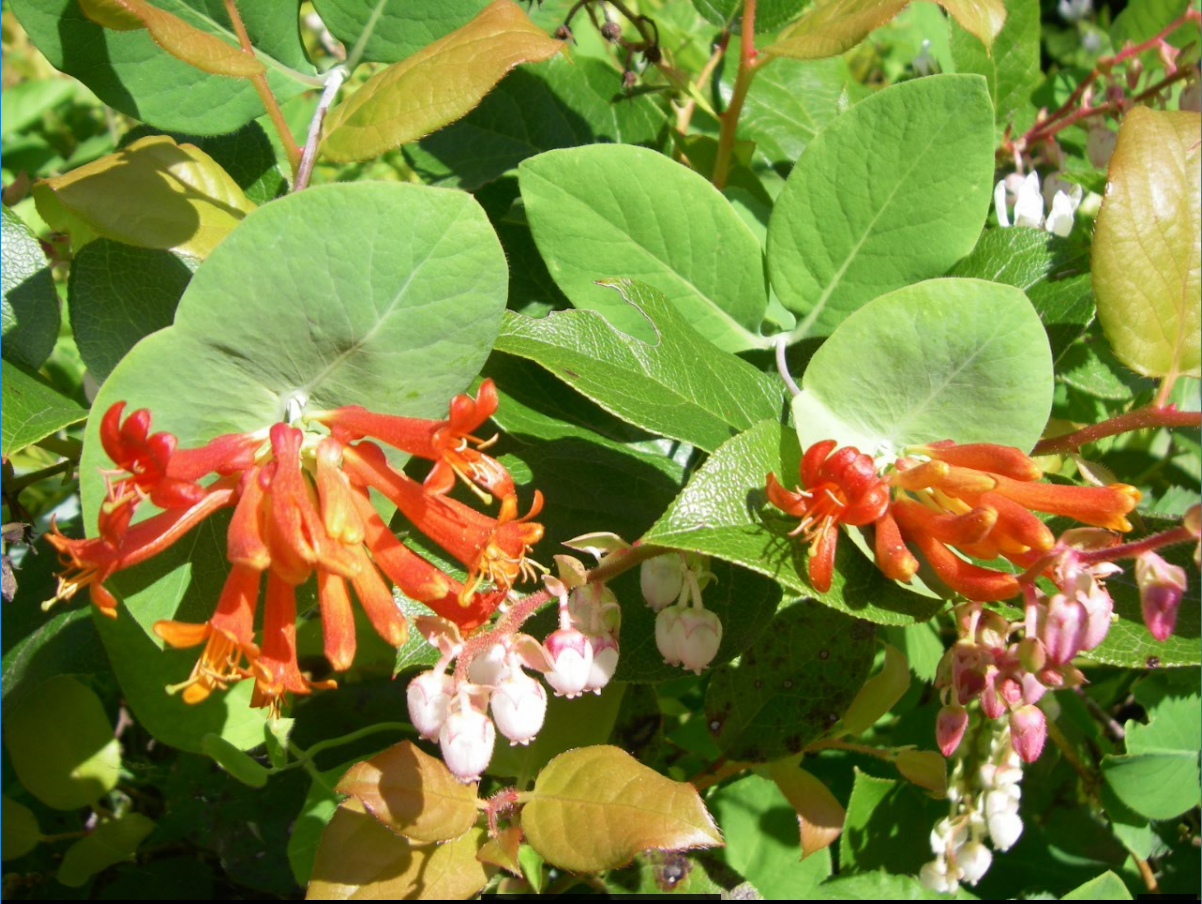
<point x="978" y="498"/>
<point x="301" y="508"/>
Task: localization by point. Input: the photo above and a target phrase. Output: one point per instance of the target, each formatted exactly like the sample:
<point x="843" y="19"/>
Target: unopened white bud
<point x="489" y="668"/>
<point x="467" y="740"/>
<point x="1005" y="829"/>
<point x="661" y="580"/>
<point x="698" y="635"/>
<point x="934" y="876"/>
<point x="429" y="694"/>
<point x="605" y="661"/>
<point x="519" y="706"/>
<point x="974" y="860"/>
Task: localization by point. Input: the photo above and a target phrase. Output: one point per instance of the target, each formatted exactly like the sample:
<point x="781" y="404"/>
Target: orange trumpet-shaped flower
<point x="839" y="488"/>
<point x="450" y="444"/>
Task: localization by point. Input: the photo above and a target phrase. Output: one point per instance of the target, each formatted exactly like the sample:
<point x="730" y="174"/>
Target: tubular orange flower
<point x="841" y="487"/>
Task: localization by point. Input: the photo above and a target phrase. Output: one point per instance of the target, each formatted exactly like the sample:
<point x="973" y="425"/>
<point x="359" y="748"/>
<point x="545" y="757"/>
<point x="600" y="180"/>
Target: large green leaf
<point x="676" y="385"/>
<point x="63" y="644"/>
<point x="1010" y="67"/>
<point x="959" y="359"/>
<point x="880" y="829"/>
<point x="1106" y="887"/>
<point x="915" y="163"/>
<point x="29" y="310"/>
<point x="1147" y="260"/>
<point x="110" y="842"/>
<point x="1156" y="785"/>
<point x="61" y="744"/>
<point x="387" y="296"/>
<point x="560" y="104"/>
<point x="384" y="31"/>
<point x="724" y="512"/>
<point x="120" y="293"/>
<point x="770" y="15"/>
<point x="594" y="808"/>
<point x="608" y="211"/>
<point x="791" y="686"/>
<point x="32" y="409"/>
<point x="435" y="86"/>
<point x="130" y="72"/>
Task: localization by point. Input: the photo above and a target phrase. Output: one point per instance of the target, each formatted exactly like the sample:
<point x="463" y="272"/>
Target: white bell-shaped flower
<point x="519" y="706"/>
<point x="467" y="738"/>
<point x="571" y="657"/>
<point x="429" y="695"/>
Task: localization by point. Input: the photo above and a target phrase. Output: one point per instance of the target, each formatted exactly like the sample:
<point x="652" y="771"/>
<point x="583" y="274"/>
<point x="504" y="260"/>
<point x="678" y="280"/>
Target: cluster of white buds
<point x="1028" y="203"/>
<point x="984" y="808"/>
<point x="686" y="633"/>
<point x="580" y="656"/>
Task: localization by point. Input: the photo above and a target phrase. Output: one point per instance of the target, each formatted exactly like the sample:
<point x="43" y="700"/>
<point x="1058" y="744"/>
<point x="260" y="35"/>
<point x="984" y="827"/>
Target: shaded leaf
<point x="412" y="793"/>
<point x="677" y="386"/>
<point x="607" y="211"/>
<point x="1158" y="785"/>
<point x="957" y="359"/>
<point x="1147" y="259"/>
<point x="32" y="409"/>
<point x="359" y="859"/>
<point x="120" y="293"/>
<point x="185" y="42"/>
<point x="19" y="832"/>
<point x="875" y="886"/>
<point x="819" y="815"/>
<point x="436" y="85"/>
<point x="241" y="766"/>
<point x="791" y="686"/>
<point x="503" y="850"/>
<point x="29" y="314"/>
<point x="879" y="694"/>
<point x="153" y="194"/>
<point x="594" y="808"/>
<point x="110" y="842"/>
<point x="1010" y="67"/>
<point x="915" y="164"/>
<point x="724" y="512"/>
<point x="61" y="744"/>
<point x="389" y="30"/>
<point x="879" y="830"/>
<point x="770" y="15"/>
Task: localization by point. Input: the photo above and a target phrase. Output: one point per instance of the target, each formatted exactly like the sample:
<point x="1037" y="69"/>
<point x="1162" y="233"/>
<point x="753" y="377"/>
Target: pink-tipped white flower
<point x="571" y="657"/>
<point x="688" y="636"/>
<point x="467" y="738"/>
<point x="429" y="695"/>
<point x="605" y="661"/>
<point x="1161" y="587"/>
<point x="973" y="859"/>
<point x="519" y="706"/>
<point x="661" y="580"/>
<point x="489" y="668"/>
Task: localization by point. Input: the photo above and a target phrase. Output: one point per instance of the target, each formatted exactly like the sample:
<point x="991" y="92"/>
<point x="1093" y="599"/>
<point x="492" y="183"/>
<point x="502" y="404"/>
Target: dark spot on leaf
<point x="794" y="743"/>
<point x="571" y="373"/>
<point x="824" y="654"/>
<point x="758" y="683"/>
<point x="1152" y="662"/>
<point x="674" y="870"/>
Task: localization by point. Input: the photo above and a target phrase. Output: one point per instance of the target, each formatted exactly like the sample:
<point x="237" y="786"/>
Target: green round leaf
<point x="109" y="843"/>
<point x="131" y="73"/>
<point x="61" y="745"/>
<point x="19" y="832"/>
<point x="959" y="359"/>
<point x="915" y="168"/>
<point x="389" y="30"/>
<point x="29" y="310"/>
<point x="791" y="686"/>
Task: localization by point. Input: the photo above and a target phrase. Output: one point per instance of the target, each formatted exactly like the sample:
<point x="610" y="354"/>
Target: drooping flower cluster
<point x="984" y="798"/>
<point x="581" y="655"/>
<point x="301" y="508"/>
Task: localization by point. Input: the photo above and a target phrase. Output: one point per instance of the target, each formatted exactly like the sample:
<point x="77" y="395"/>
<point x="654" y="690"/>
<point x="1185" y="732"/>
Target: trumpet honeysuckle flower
<point x="840" y="487"/>
<point x="1029" y="205"/>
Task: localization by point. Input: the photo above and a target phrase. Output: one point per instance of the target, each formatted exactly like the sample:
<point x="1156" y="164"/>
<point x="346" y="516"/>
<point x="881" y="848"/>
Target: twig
<point x="1116" y="731"/>
<point x="334" y="79"/>
<point x="730" y="117"/>
<point x="1139" y="419"/>
<point x="685" y="115"/>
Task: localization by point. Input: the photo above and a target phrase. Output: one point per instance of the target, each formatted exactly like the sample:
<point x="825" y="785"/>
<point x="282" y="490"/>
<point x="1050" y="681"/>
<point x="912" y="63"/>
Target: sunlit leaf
<point x="29" y="310"/>
<point x="183" y="41"/>
<point x="1010" y="66"/>
<point x="435" y="86"/>
<point x="153" y="194"/>
<point x="1147" y="257"/>
<point x="32" y="409"/>
<point x="412" y="793"/>
<point x="819" y="815"/>
<point x="594" y="808"/>
<point x="240" y="765"/>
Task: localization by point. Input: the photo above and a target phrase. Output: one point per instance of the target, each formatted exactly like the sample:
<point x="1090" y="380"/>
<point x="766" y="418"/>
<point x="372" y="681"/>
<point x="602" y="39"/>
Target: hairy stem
<point x="730" y="118"/>
<point x="1140" y="419"/>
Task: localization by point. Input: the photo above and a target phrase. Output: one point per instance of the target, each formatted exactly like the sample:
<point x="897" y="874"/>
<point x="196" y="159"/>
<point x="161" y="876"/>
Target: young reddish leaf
<point x="183" y="41"/>
<point x="502" y="851"/>
<point x="925" y="768"/>
<point x="879" y="693"/>
<point x="412" y="793"/>
<point x="594" y="808"/>
<point x="360" y="859"/>
<point x="1146" y="261"/>
<point x="819" y="815"/>
<point x="830" y="28"/>
<point x="435" y="86"/>
<point x="152" y="194"/>
<point x="109" y="843"/>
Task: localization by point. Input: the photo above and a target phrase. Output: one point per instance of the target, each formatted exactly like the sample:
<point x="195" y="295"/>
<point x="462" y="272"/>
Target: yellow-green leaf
<point x="412" y="793"/>
<point x="503" y="850"/>
<point x="152" y="194"/>
<point x="360" y="860"/>
<point x="437" y="85"/>
<point x="183" y="41"/>
<point x="19" y="832"/>
<point x="834" y="26"/>
<point x="879" y="693"/>
<point x="925" y="768"/>
<point x="594" y="808"/>
<point x="819" y="815"/>
<point x="1146" y="245"/>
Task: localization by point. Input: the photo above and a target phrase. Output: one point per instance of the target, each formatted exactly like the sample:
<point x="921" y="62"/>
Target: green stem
<point x="322" y="746"/>
<point x="730" y="118"/>
<point x="1140" y="419"/>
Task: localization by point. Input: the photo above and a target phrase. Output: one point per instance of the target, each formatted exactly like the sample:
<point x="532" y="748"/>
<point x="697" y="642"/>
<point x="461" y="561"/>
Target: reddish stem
<point x="730" y="118"/>
<point x="1140" y="419"/>
<point x="1181" y="534"/>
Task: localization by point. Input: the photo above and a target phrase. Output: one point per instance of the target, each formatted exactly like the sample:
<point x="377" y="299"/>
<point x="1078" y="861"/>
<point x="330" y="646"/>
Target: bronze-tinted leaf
<point x="594" y="808"/>
<point x="819" y="815"/>
<point x="360" y="860"/>
<point x="878" y="695"/>
<point x="435" y="86"/>
<point x="412" y="793"/>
